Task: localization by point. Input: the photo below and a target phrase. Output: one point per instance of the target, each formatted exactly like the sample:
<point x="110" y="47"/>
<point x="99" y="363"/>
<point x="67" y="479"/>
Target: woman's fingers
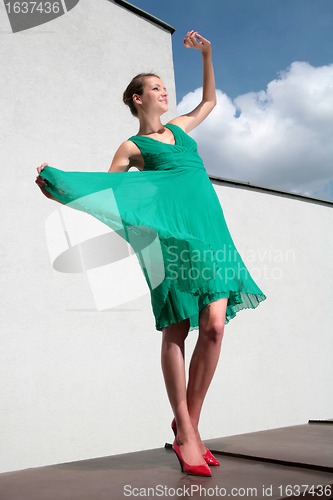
<point x="195" y="41"/>
<point x="39" y="169"/>
<point x="204" y="40"/>
<point x="40" y="181"/>
<point x="187" y="39"/>
<point x="191" y="41"/>
<point x="191" y="36"/>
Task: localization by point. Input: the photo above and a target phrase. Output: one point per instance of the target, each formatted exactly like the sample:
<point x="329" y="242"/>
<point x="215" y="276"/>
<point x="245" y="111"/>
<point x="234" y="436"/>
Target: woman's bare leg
<point x="173" y="366"/>
<point x="204" y="359"/>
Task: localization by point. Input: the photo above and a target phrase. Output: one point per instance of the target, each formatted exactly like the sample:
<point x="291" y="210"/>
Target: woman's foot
<point x="207" y="455"/>
<point x="210" y="459"/>
<point x="196" y="470"/>
<point x="201" y="445"/>
<point x="189" y="448"/>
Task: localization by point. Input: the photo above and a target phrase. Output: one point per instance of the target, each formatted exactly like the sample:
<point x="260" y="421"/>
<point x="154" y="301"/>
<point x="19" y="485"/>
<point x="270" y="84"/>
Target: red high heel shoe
<point x="194" y="470"/>
<point x="210" y="459"/>
<point x="208" y="456"/>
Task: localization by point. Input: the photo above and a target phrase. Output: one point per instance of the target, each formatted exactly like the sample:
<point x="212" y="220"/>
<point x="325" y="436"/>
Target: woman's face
<point x="154" y="97"/>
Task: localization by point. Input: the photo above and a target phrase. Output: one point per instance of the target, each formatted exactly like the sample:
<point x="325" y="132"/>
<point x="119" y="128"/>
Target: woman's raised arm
<point x="192" y="119"/>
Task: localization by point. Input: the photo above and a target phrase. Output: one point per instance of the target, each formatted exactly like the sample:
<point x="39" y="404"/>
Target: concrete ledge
<point x="156" y="473"/>
<point x="273" y="191"/>
<point x="146" y="15"/>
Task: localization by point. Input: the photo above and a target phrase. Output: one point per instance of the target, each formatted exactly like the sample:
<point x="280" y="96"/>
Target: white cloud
<point x="281" y="137"/>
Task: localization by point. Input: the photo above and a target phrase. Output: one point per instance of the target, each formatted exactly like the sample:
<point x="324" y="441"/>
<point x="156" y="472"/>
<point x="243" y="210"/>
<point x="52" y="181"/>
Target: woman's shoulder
<point x="128" y="146"/>
<point x="179" y="122"/>
<point x="185" y="122"/>
<point x="128" y="149"/>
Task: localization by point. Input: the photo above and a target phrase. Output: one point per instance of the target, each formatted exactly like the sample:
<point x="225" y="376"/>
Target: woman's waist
<point x="179" y="163"/>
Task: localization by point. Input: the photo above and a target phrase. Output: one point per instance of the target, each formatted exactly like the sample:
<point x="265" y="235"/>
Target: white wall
<point x="79" y="383"/>
<point x="276" y="364"/>
<point x="61" y="362"/>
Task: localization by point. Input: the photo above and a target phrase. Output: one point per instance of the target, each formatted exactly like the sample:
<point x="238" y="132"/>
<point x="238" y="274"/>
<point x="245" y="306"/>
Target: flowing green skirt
<point x="174" y="222"/>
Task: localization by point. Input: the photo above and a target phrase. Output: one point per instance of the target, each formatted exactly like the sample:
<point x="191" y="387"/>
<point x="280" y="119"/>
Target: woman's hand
<point x="191" y="42"/>
<point x="41" y="182"/>
<point x="39" y="169"/>
<point x="192" y="119"/>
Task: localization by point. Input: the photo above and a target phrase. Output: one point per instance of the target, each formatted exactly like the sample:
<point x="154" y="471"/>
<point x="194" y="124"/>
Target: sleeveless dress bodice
<point x="159" y="155"/>
<point x="171" y="216"/>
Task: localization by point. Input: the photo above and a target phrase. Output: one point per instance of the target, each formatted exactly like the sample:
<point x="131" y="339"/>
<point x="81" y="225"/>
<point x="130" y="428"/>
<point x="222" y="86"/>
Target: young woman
<point x="205" y="282"/>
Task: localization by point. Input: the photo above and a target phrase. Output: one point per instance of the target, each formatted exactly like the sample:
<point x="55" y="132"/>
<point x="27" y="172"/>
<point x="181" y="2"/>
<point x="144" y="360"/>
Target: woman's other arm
<point x="128" y="155"/>
<point x="192" y="119"/>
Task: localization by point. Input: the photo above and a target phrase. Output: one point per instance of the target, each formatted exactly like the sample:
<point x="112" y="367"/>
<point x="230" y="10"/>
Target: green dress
<point x="171" y="216"/>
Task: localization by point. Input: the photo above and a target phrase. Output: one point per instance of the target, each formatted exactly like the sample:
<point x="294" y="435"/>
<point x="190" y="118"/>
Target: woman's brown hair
<point x="135" y="87"/>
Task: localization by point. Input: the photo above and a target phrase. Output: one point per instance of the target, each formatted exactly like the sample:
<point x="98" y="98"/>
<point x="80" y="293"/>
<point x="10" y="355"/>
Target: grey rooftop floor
<point x="263" y="464"/>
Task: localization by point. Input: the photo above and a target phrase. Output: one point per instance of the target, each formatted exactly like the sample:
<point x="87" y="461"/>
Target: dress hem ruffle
<point x="253" y="300"/>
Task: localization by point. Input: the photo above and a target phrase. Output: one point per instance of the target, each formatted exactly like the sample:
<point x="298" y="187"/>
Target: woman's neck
<point x="150" y="125"/>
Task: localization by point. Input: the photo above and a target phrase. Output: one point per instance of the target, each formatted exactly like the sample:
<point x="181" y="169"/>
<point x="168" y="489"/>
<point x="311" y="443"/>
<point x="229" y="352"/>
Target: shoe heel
<point x="180" y="463"/>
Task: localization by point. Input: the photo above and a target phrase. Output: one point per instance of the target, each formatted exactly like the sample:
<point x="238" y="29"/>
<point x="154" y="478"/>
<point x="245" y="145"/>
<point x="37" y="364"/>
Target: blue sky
<point x="252" y="39"/>
<point x="273" y="62"/>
